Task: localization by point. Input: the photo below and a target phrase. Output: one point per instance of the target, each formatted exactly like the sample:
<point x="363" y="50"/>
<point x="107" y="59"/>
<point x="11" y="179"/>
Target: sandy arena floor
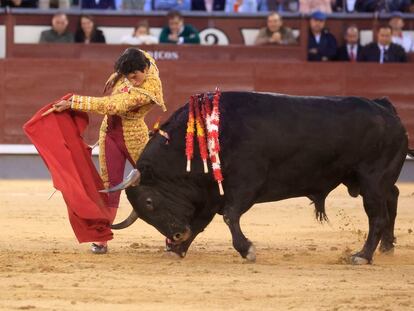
<point x="301" y="265"/>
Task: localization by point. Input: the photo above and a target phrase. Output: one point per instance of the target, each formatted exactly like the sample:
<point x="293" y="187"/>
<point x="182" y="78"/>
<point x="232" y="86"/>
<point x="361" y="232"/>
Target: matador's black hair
<point x="131" y="60"/>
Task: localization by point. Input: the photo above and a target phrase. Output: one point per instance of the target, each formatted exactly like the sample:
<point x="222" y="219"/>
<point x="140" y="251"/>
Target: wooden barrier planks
<point x="28" y="84"/>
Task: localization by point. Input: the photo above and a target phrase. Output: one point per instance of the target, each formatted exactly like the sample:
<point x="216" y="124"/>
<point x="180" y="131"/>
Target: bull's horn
<point x="131" y="180"/>
<point x="127" y="222"/>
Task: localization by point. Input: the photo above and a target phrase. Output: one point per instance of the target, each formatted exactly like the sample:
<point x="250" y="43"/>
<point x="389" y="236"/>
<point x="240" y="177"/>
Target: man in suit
<point x="99" y="5"/>
<point x="351" y="50"/>
<point x="208" y="5"/>
<point x="382" y="5"/>
<point x="321" y="43"/>
<point x="383" y="51"/>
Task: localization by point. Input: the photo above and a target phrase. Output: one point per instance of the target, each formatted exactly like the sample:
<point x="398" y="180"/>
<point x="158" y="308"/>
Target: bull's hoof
<point x="251" y="254"/>
<point x="386" y="250"/>
<point x="357" y="260"/>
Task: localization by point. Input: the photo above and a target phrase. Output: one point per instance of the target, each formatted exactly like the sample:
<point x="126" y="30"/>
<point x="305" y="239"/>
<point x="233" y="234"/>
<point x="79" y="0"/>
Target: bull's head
<point x="162" y="209"/>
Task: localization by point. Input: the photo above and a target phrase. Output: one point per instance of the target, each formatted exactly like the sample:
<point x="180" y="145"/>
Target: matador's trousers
<point x="113" y="155"/>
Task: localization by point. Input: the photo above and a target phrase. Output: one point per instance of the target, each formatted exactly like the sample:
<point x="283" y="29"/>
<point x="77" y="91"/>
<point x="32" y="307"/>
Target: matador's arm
<point x="114" y="104"/>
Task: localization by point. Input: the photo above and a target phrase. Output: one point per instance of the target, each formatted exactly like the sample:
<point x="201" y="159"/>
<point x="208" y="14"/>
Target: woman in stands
<point x="140" y="35"/>
<point x="87" y="31"/>
<point x="134" y="89"/>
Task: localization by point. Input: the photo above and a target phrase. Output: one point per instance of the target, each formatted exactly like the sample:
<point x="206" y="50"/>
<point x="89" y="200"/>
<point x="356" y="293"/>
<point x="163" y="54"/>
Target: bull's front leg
<point x="240" y="242"/>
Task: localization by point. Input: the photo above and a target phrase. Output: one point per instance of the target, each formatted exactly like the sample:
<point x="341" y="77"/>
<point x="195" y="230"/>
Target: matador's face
<point x="137" y="77"/>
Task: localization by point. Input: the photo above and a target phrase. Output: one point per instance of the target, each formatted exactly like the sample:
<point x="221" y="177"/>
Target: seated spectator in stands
<point x="275" y="32"/>
<point x="138" y="5"/>
<point x="382" y="5"/>
<point x="383" y="51"/>
<point x="411" y="7"/>
<point x="309" y="6"/>
<point x="208" y="5"/>
<point x="404" y="39"/>
<point x="59" y="32"/>
<point x="87" y="31"/>
<point x="321" y="43"/>
<point x="246" y="6"/>
<point x="171" y="5"/>
<point x="351" y="50"/>
<point x="281" y="5"/>
<point x="19" y="3"/>
<point x="141" y="35"/>
<point x="98" y="4"/>
<point x="54" y="4"/>
<point x="177" y="32"/>
<point x="344" y="6"/>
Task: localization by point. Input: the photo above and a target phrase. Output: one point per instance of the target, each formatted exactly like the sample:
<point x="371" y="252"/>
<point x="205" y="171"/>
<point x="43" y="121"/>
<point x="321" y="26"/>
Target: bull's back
<point x="298" y="121"/>
<point x="300" y="140"/>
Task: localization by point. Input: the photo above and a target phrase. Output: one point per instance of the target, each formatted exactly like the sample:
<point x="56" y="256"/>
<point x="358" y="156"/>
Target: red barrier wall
<point x="27" y="84"/>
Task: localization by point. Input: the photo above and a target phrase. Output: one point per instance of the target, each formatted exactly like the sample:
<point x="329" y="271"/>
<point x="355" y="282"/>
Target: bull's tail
<point x="321" y="215"/>
<point x="319" y="202"/>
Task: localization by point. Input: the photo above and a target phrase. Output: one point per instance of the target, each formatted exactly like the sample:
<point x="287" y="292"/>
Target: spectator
<point x="59" y="32"/>
<point x="54" y="4"/>
<point x="275" y="32"/>
<point x="384" y="51"/>
<point x="87" y="31"/>
<point x="172" y="5"/>
<point x="19" y="3"/>
<point x="351" y="50"/>
<point x="208" y="5"/>
<point x="99" y="4"/>
<point x="344" y="6"/>
<point x="246" y="6"/>
<point x="138" y="5"/>
<point x="141" y="35"/>
<point x="282" y="5"/>
<point x="321" y="43"/>
<point x="177" y="32"/>
<point x="397" y="24"/>
<point x="382" y="5"/>
<point x="309" y="6"/>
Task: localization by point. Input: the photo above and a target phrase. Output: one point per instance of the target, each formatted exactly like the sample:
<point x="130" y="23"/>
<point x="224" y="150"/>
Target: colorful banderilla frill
<point x="189" y="138"/>
<point x="207" y="118"/>
<point x="201" y="135"/>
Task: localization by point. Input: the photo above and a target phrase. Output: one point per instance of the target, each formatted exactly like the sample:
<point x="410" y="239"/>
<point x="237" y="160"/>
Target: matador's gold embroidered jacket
<point x="131" y="104"/>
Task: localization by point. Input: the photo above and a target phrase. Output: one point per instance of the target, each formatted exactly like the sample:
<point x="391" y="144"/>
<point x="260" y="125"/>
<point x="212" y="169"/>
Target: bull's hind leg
<point x="375" y="205"/>
<point x="388" y="239"/>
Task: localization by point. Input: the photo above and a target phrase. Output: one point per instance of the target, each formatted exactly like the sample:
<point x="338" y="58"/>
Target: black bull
<point x="274" y="147"/>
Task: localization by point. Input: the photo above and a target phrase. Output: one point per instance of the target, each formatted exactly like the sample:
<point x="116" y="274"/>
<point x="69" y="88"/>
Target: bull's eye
<point x="148" y="204"/>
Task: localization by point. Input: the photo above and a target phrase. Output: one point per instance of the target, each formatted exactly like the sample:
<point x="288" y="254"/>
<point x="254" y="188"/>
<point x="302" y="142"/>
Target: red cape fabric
<point x="58" y="139"/>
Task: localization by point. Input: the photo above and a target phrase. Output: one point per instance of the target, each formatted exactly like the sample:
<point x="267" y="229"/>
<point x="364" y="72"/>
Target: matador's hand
<point x="61" y="106"/>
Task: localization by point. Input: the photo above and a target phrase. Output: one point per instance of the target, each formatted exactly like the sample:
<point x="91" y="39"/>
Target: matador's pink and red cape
<point x="58" y="139"/>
